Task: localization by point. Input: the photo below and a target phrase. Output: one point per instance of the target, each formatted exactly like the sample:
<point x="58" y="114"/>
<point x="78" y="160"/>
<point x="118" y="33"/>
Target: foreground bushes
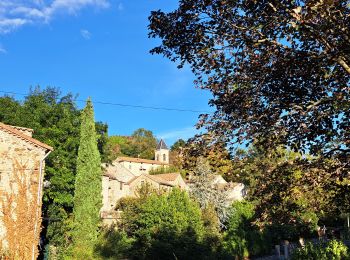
<point x="242" y="239"/>
<point x="333" y="250"/>
<point x="172" y="226"/>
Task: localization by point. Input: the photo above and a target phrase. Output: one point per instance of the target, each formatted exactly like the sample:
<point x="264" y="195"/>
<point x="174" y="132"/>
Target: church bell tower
<point x="162" y="152"/>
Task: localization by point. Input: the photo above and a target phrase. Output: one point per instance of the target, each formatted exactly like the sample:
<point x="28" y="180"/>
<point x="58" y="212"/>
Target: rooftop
<point x="168" y="176"/>
<point x="15" y="131"/>
<point x="162" y="145"/>
<point x="151" y="177"/>
<point x="139" y="160"/>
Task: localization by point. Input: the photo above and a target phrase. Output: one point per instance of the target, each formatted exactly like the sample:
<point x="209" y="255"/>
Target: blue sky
<point x="99" y="48"/>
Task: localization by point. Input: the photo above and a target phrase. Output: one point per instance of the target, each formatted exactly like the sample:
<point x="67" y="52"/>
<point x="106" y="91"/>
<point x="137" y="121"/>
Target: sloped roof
<point x="162" y="145"/>
<point x="22" y="128"/>
<point x="168" y="176"/>
<point x="12" y="130"/>
<point x="151" y="177"/>
<point x="139" y="160"/>
<point x="118" y="172"/>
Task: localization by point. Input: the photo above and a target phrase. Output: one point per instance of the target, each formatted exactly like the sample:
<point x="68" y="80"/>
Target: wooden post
<point x="278" y="251"/>
<point x="286" y="249"/>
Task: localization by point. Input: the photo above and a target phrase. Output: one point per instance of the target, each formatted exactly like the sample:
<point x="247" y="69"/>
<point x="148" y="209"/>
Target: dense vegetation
<point x="279" y="74"/>
<point x="140" y="144"/>
<point x="56" y="119"/>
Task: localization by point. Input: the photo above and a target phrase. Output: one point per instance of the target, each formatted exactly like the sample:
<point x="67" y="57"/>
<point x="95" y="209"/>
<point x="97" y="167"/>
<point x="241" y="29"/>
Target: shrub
<point x="333" y="250"/>
<point x="164" y="226"/>
<point x="242" y="238"/>
<point x="162" y="169"/>
<point x="113" y="244"/>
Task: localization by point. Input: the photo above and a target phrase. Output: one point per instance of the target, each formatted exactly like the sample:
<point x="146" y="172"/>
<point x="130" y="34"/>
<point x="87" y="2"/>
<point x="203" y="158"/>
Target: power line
<point x="123" y="105"/>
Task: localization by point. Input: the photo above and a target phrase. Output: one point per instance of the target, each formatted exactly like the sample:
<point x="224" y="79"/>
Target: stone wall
<point x="19" y="183"/>
<point x="138" y="168"/>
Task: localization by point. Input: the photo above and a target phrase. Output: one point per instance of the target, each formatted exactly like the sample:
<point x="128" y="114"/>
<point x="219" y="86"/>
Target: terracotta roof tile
<point x="21" y="135"/>
<point x="168" y="176"/>
<point x="152" y="177"/>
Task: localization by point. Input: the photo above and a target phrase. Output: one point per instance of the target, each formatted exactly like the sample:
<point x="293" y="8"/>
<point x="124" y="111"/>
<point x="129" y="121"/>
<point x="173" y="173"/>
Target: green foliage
<point x="118" y="146"/>
<point x="213" y="238"/>
<point x="112" y="244"/>
<point x="241" y="55"/>
<point x="162" y="169"/>
<point x="141" y="143"/>
<point x="102" y="141"/>
<point x="291" y="193"/>
<point x="332" y="250"/>
<point x="55" y="120"/>
<point x="242" y="239"/>
<point x="179" y="144"/>
<point x="276" y="83"/>
<point x="144" y="143"/>
<point x="88" y="188"/>
<point x="215" y="153"/>
<point x="10" y="111"/>
<point x="164" y="227"/>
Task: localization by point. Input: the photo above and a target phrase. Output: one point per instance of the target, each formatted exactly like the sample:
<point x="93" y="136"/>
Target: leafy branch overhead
<point x="279" y="71"/>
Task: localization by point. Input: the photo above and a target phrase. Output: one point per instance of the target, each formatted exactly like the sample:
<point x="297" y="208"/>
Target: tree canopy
<point x="278" y="70"/>
<point x="55" y="119"/>
<point x="141" y="143"/>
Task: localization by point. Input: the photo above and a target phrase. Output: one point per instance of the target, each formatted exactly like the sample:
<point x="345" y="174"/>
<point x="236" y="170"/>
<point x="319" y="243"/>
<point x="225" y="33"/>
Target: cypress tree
<point x="88" y="187"/>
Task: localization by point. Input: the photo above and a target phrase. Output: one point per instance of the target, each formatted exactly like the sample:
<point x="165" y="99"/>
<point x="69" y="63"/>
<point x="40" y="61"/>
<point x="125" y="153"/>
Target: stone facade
<point x="235" y="191"/>
<point x="21" y="178"/>
<point x="139" y="166"/>
<point x="125" y="176"/>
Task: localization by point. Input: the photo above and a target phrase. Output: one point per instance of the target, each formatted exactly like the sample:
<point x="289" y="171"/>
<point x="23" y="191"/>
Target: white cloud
<point x="85" y="34"/>
<point x="2" y="49"/>
<point x="10" y="24"/>
<point x="16" y="13"/>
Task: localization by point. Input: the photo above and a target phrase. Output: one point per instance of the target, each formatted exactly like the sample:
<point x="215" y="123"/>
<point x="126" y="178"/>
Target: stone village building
<point x="22" y="162"/>
<point x="124" y="177"/>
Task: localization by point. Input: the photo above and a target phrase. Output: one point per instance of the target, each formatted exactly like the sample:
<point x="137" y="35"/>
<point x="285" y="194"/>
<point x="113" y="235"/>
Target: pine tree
<point x="88" y="187"/>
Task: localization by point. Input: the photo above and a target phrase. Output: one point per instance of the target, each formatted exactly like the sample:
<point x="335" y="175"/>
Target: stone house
<point x="234" y="191"/>
<point x="22" y="162"/>
<point x="124" y="177"/>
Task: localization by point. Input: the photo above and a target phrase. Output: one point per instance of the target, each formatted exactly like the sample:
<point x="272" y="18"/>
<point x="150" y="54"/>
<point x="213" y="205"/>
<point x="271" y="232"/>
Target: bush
<point x="162" y="169"/>
<point x="242" y="238"/>
<point x="333" y="250"/>
<point x="167" y="226"/>
<point x="112" y="244"/>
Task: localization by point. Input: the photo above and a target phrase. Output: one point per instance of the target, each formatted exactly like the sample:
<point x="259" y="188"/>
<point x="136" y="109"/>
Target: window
<point x="164" y="157"/>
